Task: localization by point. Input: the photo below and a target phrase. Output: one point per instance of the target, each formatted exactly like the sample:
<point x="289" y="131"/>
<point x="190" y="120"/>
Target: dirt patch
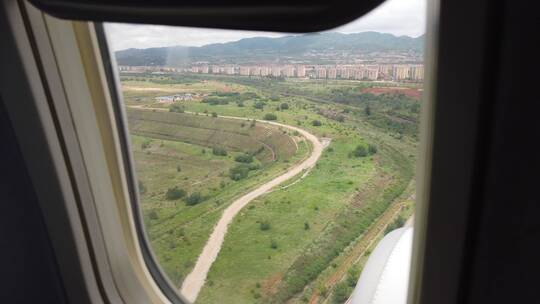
<point x="269" y="286"/>
<point x="409" y="92"/>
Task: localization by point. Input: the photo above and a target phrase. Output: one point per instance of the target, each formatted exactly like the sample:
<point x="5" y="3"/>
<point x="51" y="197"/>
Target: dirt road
<point x="195" y="280"/>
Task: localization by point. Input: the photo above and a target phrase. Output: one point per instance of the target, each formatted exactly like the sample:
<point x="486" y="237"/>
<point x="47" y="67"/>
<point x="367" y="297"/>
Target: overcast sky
<point x="398" y="17"/>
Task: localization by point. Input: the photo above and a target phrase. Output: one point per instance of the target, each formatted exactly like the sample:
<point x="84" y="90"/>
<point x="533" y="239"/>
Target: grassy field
<point x="285" y="242"/>
<point x="166" y="157"/>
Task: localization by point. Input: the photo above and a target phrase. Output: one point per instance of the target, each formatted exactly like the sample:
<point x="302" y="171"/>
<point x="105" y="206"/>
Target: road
<point x="195" y="280"/>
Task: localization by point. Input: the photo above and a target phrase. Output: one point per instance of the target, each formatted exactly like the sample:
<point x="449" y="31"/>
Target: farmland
<point x="284" y="245"/>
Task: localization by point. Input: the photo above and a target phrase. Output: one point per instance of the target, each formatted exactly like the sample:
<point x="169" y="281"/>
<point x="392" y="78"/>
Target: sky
<point x="398" y="17"/>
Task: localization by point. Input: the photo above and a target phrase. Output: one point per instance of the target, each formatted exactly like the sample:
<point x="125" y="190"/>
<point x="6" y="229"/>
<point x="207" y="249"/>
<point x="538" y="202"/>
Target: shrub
<point x="244" y="158"/>
<point x="397" y="223"/>
<point x="174" y="193"/>
<point x="219" y="151"/>
<point x="367" y="110"/>
<point x="306" y="226"/>
<point x="273" y="244"/>
<point x="153" y="215"/>
<point x="259" y="105"/>
<point x="240" y="103"/>
<point x="372" y="149"/>
<point x="176" y="108"/>
<point x="270" y="116"/>
<point x="214" y="114"/>
<point x="264" y="225"/>
<point x="316" y="123"/>
<point x="178" y="168"/>
<point x="284" y="106"/>
<point x="341" y="293"/>
<point x="241" y="171"/>
<point x="193" y="199"/>
<point x="145" y="144"/>
<point x="360" y="151"/>
<point x="142" y="187"/>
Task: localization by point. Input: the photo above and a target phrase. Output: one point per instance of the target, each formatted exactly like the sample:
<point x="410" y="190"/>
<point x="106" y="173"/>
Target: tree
<point x="153" y="215"/>
<point x="367" y="110"/>
<point x="174" y="193"/>
<point x="360" y="151"/>
<point x="316" y="123"/>
<point x="219" y="151"/>
<point x="193" y="199"/>
<point x="214" y="114"/>
<point x="372" y="149"/>
<point x="259" y="105"/>
<point x="176" y="108"/>
<point x="270" y="116"/>
<point x="244" y="158"/>
<point x="306" y="226"/>
<point x="264" y="225"/>
<point x="341" y="293"/>
<point x="142" y="187"/>
<point x="284" y="106"/>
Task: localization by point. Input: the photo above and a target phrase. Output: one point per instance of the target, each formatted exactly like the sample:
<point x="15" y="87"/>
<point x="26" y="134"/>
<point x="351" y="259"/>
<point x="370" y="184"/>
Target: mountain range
<point x="257" y="49"/>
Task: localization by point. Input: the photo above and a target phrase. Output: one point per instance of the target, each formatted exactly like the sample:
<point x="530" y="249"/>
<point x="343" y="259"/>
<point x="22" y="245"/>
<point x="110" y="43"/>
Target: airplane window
<point x="269" y="165"/>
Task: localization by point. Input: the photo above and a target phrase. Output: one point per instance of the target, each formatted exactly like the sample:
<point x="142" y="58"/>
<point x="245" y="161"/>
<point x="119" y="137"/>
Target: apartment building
<point x="300" y="71"/>
<point x="332" y="73"/>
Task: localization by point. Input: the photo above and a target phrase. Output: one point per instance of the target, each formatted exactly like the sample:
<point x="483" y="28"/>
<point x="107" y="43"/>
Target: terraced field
<point x="176" y="150"/>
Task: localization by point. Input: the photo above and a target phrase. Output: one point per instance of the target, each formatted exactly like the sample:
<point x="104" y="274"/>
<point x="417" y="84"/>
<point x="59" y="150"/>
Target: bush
<point x="240" y="103"/>
<point x="174" y="193"/>
<point x="270" y="116"/>
<point x="341" y="293"/>
<point x="219" y="151"/>
<point x="240" y="171"/>
<point x="306" y="226"/>
<point x="178" y="168"/>
<point x="284" y="106"/>
<point x="316" y="123"/>
<point x="372" y="149"/>
<point x="397" y="223"/>
<point x="145" y="144"/>
<point x="176" y="108"/>
<point x="264" y="225"/>
<point x="214" y="114"/>
<point x="367" y="110"/>
<point x="273" y="244"/>
<point x="142" y="187"/>
<point x="244" y="158"/>
<point x="360" y="151"/>
<point x="259" y="105"/>
<point x="153" y="215"/>
<point x="194" y="199"/>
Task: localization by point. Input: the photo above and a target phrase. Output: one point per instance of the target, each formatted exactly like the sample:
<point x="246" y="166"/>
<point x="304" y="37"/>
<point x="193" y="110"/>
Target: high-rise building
<point x="288" y="71"/>
<point x="255" y="71"/>
<point x="194" y="69"/>
<point x="300" y="71"/>
<point x="276" y="71"/>
<point x="321" y="72"/>
<point x="215" y="69"/>
<point x="229" y="70"/>
<point x="204" y="69"/>
<point x="331" y="73"/>
<point x="400" y="72"/>
<point x="265" y="71"/>
<point x="244" y="71"/>
<point x="417" y="72"/>
<point x="371" y="73"/>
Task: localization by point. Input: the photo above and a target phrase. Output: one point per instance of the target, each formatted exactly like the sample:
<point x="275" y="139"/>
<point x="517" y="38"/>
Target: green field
<point x="285" y="240"/>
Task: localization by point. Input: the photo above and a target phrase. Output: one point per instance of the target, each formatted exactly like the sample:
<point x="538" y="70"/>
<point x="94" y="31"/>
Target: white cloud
<point x="398" y="17"/>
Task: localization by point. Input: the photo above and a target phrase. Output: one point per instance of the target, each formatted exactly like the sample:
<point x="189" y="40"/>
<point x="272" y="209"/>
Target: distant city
<point x="388" y="72"/>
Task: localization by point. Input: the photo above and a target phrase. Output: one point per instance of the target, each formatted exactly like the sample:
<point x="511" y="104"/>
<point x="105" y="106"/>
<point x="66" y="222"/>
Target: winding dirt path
<point x="195" y="280"/>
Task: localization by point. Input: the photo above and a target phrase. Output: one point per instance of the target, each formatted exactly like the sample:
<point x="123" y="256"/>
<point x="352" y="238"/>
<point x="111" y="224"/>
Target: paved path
<point x="195" y="280"/>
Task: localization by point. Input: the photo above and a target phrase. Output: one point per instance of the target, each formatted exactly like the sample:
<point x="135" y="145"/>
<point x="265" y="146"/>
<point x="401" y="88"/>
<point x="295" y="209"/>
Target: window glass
<point x="269" y="165"/>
